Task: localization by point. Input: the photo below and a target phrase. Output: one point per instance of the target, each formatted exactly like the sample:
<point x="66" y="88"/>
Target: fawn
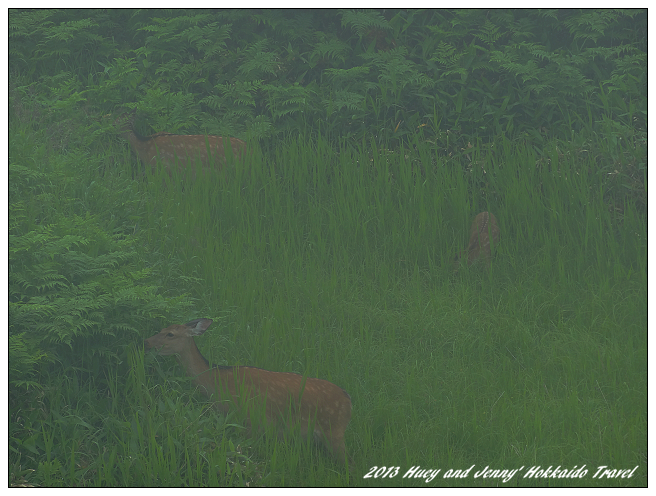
<point x="184" y="149"/>
<point x="484" y="228"/>
<point x="286" y="399"/>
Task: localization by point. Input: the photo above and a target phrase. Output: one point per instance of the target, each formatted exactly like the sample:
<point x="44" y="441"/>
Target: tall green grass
<point x="338" y="265"/>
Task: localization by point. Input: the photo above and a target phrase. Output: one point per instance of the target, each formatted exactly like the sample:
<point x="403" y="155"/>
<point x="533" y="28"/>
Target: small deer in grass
<point x="285" y="399"/>
<point x="184" y="150"/>
<point x="483" y="238"/>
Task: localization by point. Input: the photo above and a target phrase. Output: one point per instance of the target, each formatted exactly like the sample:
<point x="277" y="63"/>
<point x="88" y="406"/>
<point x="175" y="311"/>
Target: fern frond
<point x="364" y="20"/>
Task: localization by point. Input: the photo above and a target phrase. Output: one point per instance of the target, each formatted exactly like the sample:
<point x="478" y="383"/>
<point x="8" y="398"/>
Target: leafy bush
<point x="79" y="291"/>
<point x="392" y="74"/>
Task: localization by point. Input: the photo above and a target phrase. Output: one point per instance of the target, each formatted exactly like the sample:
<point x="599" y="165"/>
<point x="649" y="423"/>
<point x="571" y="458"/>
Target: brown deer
<point x="483" y="230"/>
<point x="285" y="399"/>
<point x="182" y="149"/>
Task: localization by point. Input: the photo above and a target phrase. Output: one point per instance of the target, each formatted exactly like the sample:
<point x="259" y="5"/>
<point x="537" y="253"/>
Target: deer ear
<point x="198" y="326"/>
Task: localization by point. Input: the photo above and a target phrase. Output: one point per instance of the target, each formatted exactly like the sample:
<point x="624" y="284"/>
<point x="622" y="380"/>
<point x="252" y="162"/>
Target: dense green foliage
<point x="377" y="135"/>
<point x="452" y="76"/>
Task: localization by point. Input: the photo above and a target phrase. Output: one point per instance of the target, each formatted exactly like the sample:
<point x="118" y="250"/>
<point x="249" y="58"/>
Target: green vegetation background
<point x="377" y="135"/>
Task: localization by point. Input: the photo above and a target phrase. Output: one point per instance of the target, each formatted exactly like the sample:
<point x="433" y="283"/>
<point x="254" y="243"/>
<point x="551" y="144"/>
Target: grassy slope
<point x="541" y="361"/>
<point x="339" y="267"/>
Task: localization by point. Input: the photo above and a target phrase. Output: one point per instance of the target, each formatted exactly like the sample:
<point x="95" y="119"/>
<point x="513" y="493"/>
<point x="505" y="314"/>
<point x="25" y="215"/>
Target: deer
<point x="284" y="399"/>
<point x="483" y="230"/>
<point x="169" y="149"/>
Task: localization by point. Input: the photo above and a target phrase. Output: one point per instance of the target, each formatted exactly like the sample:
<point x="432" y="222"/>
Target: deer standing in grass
<point x="184" y="150"/>
<point x="483" y="237"/>
<point x="285" y="399"/>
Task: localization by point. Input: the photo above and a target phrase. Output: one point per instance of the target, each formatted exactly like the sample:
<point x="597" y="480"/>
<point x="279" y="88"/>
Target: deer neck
<point x="193" y="361"/>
